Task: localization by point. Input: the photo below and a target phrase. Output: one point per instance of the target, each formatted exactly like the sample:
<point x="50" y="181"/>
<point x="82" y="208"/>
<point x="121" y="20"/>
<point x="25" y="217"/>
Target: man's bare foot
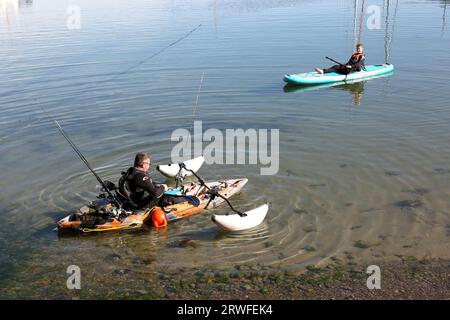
<point x="318" y="70"/>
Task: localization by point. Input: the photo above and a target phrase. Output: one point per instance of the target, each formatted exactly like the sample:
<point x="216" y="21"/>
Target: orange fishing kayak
<point x="103" y="215"/>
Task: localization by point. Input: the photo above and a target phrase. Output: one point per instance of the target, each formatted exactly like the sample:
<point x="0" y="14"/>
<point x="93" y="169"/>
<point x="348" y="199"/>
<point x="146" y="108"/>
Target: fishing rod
<point x="78" y="152"/>
<point x="213" y="192"/>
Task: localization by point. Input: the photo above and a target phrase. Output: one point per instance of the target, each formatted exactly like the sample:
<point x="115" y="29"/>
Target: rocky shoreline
<point x="408" y="279"/>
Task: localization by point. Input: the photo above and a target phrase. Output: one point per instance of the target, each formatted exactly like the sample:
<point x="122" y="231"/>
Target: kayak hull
<point x="88" y="223"/>
<point x="347" y="85"/>
<point x="92" y="219"/>
<point x="315" y="78"/>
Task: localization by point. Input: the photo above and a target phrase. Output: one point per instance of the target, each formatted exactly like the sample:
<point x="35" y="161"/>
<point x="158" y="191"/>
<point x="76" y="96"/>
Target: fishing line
<point x="121" y="73"/>
<point x="198" y="94"/>
<point x="194" y="109"/>
<point x="159" y="52"/>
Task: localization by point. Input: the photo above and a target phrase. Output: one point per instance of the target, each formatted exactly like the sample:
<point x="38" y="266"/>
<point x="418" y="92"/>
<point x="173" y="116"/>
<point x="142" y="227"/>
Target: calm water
<point x="349" y="155"/>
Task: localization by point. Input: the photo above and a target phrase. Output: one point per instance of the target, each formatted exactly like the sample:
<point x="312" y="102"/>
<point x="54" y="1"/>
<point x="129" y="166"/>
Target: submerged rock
<point x="417" y="191"/>
<point x="392" y="173"/>
<point x="291" y="173"/>
<point x="310" y="229"/>
<point x="199" y="274"/>
<point x="408" y="204"/>
<point x="183" y="244"/>
<point x="317" y="185"/>
<point x="112" y="258"/>
<point x="441" y="170"/>
<point x="309" y="248"/>
<point x="361" y="244"/>
<point x="122" y="271"/>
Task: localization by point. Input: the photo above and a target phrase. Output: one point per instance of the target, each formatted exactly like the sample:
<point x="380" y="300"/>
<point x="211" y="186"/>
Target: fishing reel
<point x="112" y="211"/>
<point x="116" y="213"/>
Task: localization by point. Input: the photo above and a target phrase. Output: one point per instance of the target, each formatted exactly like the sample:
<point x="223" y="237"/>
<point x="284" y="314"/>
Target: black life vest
<point x="124" y="191"/>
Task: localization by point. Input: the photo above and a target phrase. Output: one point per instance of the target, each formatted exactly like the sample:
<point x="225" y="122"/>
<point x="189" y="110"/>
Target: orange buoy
<point x="159" y="218"/>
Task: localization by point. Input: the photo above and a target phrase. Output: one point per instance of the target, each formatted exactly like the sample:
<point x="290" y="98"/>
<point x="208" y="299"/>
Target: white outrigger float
<point x="174" y="169"/>
<point x="237" y="221"/>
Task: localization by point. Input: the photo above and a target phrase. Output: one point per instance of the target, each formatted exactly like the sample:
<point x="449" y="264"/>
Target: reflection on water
<point x="356" y="89"/>
<point x="10" y="12"/>
<point x="8" y="8"/>
<point x="25" y="3"/>
<point x="11" y="7"/>
<point x="252" y="6"/>
<point x="444" y="5"/>
<point x="389" y="33"/>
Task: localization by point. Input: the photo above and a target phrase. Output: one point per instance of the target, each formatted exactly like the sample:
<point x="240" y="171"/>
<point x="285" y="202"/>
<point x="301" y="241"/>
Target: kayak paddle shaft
<point x="335" y="61"/>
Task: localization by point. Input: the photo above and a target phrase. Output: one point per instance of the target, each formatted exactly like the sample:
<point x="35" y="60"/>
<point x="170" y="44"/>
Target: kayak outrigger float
<point x="314" y="78"/>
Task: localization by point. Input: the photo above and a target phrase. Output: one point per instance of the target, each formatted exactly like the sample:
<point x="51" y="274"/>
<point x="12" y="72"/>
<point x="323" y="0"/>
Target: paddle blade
<point x="235" y="222"/>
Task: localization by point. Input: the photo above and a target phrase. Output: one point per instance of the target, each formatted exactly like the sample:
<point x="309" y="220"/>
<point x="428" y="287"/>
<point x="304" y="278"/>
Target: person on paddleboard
<point x="136" y="186"/>
<point x="355" y="63"/>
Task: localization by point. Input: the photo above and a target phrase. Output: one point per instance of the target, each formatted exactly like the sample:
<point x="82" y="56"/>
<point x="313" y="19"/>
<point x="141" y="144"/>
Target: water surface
<point x="364" y="167"/>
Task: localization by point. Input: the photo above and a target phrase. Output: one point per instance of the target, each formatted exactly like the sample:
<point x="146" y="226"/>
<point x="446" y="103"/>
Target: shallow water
<point x="364" y="167"/>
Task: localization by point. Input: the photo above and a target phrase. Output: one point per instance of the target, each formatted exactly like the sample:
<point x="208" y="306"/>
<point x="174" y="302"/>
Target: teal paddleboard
<point x="311" y="78"/>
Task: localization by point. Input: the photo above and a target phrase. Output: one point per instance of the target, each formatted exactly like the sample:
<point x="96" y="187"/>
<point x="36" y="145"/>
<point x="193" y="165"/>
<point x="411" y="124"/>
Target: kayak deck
<point x="312" y="78"/>
<point x="226" y="188"/>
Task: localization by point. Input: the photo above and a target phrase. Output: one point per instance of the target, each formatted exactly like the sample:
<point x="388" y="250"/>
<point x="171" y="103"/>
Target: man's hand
<point x="164" y="186"/>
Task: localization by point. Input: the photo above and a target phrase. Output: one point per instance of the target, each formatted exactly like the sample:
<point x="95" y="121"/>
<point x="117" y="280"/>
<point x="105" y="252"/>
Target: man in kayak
<point x="355" y="63"/>
<point x="136" y="185"/>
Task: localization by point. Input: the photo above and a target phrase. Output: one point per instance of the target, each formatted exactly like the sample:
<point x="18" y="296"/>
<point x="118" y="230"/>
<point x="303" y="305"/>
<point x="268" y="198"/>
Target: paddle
<point x="213" y="192"/>
<point x="336" y="61"/>
<point x="344" y="65"/>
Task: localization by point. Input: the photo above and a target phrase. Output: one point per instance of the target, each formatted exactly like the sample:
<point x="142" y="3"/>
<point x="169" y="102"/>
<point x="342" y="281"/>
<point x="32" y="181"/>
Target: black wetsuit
<point x="356" y="62"/>
<point x="143" y="192"/>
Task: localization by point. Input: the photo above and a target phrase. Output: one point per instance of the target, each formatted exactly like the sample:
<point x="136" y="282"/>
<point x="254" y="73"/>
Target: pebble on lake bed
<point x="408" y="204"/>
<point x="392" y="173"/>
